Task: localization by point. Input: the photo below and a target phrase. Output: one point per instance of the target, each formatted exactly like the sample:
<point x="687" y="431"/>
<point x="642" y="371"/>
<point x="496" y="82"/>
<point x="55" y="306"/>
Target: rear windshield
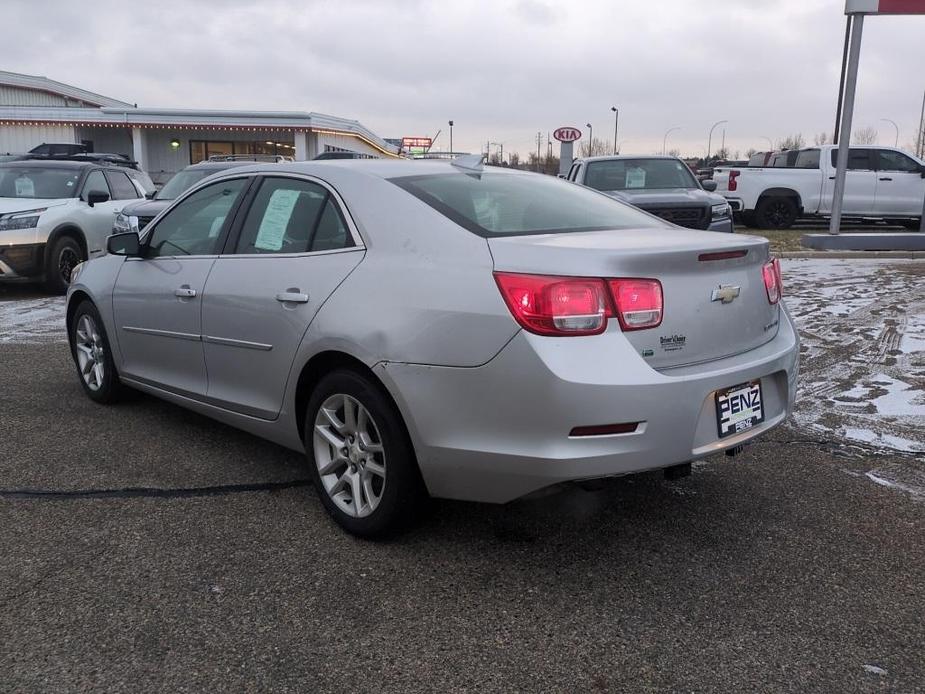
<point x="515" y="204"/>
<point x="807" y="159"/>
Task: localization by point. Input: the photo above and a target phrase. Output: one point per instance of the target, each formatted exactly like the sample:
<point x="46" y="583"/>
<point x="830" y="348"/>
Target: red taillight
<point x="559" y="306"/>
<point x="733" y="175"/>
<point x="638" y="302"/>
<point x="556" y="305"/>
<point x="773" y="281"/>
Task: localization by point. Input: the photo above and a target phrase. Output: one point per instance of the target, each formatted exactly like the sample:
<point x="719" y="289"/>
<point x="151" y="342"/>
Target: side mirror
<point x="126" y="243"/>
<point x="95" y="196"/>
<point x="708" y="185"/>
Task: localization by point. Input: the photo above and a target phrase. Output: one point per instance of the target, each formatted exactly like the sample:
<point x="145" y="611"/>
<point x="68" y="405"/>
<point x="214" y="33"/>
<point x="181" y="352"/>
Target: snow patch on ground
<point x="32" y="320"/>
<point x="862" y="326"/>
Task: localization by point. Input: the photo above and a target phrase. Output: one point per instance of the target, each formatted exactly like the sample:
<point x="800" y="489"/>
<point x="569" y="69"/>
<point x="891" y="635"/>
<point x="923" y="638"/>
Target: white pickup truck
<point x="881" y="182"/>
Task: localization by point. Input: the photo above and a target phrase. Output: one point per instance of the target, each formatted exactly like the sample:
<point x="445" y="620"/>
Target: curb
<point x="852" y="255"/>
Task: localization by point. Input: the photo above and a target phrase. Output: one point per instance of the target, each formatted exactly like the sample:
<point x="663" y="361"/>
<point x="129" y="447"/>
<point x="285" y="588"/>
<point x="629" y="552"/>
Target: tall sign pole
<point x="566" y="136"/>
<point x="844" y="140"/>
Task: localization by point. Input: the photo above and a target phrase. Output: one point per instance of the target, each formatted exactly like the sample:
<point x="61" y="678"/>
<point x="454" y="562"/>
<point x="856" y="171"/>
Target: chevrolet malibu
<point x="438" y="329"/>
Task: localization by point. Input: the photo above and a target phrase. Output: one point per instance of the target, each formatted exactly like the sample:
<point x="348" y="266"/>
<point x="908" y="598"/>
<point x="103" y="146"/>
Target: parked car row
<point x="441" y="329"/>
<point x="881" y="182"/>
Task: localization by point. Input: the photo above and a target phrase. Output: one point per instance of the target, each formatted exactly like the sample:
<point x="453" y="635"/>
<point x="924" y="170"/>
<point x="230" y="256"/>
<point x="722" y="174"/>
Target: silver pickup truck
<point x="661" y="185"/>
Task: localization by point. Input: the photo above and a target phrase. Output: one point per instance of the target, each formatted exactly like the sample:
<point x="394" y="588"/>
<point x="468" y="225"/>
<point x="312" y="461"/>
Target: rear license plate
<point x="739" y="408"/>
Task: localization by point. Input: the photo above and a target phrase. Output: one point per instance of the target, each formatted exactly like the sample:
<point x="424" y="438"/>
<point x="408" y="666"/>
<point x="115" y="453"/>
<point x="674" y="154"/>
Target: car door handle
<point x="185" y="291"/>
<point x="886" y="179"/>
<point x="292" y="297"/>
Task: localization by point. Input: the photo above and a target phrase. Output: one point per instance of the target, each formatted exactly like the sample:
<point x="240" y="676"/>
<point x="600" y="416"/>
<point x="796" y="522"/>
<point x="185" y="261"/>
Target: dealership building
<point x="36" y="110"/>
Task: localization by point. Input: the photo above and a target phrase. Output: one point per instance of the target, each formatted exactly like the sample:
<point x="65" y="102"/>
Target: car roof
<point x="615" y="157"/>
<point x="55" y="164"/>
<point x="380" y="168"/>
<point x="218" y="165"/>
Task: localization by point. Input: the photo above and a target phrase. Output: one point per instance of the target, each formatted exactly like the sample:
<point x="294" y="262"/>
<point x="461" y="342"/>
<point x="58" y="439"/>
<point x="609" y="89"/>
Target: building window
<point x="200" y="150"/>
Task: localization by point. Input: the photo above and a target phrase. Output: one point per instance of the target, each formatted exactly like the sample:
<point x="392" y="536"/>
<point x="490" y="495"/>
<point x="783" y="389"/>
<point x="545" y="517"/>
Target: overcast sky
<point x="501" y="69"/>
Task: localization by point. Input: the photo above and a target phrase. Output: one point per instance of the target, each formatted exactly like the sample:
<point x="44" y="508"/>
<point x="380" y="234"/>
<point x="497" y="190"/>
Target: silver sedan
<point x="435" y="329"/>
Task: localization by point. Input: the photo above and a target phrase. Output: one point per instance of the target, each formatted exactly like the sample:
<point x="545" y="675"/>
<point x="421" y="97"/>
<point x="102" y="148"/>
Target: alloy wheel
<point x="91" y="352"/>
<point x="349" y="455"/>
<point x="779" y="214"/>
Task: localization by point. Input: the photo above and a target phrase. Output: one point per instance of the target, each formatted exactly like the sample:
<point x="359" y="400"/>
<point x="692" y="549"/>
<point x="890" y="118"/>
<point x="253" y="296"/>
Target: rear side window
<point x="122" y="187"/>
<point x="858" y="159"/>
<point x="292" y="216"/>
<point x="807" y="159"/>
<point x="496" y="204"/>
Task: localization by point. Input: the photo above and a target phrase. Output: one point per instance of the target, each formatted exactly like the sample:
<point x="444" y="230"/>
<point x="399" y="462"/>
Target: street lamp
<point x="616" y="122"/>
<point x="665" y="139"/>
<point x="451" y="137"/>
<point x="895" y="144"/>
<point x="710" y="139"/>
<point x="590" y="137"/>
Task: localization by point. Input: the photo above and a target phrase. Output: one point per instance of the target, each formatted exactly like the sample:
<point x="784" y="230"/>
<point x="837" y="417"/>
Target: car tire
<point x="748" y="219"/>
<point x="360" y="456"/>
<point x="64" y="256"/>
<point x="776" y="213"/>
<point x="93" y="356"/>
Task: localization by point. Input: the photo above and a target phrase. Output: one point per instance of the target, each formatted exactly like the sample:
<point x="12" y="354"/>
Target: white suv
<point x="56" y="214"/>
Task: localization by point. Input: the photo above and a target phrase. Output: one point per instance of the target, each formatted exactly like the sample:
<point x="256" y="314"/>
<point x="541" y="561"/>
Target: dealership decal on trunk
<point x="673" y="343"/>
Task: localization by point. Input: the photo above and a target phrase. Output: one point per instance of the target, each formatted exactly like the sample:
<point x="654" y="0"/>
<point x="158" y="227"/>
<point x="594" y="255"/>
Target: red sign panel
<point x="409" y="142"/>
<point x="885" y="6"/>
<point x="567" y="134"/>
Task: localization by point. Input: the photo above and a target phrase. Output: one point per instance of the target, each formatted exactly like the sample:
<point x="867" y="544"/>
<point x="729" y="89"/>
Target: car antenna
<point x="469" y="162"/>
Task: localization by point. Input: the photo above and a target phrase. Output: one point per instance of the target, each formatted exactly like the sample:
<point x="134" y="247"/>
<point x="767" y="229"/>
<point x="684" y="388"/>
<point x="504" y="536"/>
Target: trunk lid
<point x="697" y="325"/>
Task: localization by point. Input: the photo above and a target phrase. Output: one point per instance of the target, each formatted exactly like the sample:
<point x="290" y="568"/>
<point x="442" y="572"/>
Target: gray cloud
<point x="501" y="70"/>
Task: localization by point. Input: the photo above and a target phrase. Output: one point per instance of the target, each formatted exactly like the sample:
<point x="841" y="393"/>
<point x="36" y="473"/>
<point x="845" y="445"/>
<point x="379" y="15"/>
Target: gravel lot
<point x="201" y="561"/>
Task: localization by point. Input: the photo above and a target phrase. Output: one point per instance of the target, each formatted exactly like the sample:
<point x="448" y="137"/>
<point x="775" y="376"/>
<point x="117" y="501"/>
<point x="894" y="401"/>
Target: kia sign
<point x="885" y="7"/>
<point x="567" y="134"/>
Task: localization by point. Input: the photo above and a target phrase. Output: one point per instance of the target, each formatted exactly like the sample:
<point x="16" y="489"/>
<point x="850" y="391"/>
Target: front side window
<point x="38" y="182"/>
<point x="194" y="226"/>
<point x="638" y="174"/>
<point x="96" y="183"/>
<point x="896" y="161"/>
<point x="122" y="187"/>
<point x="292" y="216"/>
<point x="499" y="204"/>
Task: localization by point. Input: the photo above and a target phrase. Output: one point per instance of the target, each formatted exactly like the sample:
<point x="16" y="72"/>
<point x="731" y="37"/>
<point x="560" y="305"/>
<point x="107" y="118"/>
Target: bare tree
<point x="795" y="141"/>
<point x="865" y="136"/>
<point x="599" y="148"/>
<point x="514" y="159"/>
<point x="822" y="139"/>
<point x="749" y="152"/>
<point x="495" y="159"/>
<point x="674" y="152"/>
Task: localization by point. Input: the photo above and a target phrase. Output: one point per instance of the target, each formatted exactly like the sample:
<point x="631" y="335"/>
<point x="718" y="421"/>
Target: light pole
<point x="451" y="138"/>
<point x="710" y="139"/>
<point x="616" y="122"/>
<point x="893" y="123"/>
<point x="590" y="137"/>
<point x="665" y="139"/>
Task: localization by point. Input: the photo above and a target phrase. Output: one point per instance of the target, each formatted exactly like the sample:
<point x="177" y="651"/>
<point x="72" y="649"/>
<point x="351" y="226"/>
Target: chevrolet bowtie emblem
<point x="726" y="293"/>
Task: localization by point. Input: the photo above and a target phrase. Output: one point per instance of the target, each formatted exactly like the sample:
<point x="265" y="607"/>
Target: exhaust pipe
<point x="735" y="450"/>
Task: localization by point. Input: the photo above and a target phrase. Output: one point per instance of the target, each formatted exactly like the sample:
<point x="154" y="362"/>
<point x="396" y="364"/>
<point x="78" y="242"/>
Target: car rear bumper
<point x="500" y="431"/>
<point x="735" y="203"/>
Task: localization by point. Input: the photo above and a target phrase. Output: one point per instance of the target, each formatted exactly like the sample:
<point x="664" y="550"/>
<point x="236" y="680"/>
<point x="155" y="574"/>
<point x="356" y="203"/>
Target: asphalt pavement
<point x="147" y="548"/>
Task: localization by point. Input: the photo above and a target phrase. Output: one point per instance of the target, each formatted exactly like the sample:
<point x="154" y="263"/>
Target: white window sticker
<point x="636" y="178"/>
<point x="25" y="188"/>
<point x="276" y="219"/>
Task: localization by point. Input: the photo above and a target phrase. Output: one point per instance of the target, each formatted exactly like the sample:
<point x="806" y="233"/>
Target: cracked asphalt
<point x="784" y="569"/>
